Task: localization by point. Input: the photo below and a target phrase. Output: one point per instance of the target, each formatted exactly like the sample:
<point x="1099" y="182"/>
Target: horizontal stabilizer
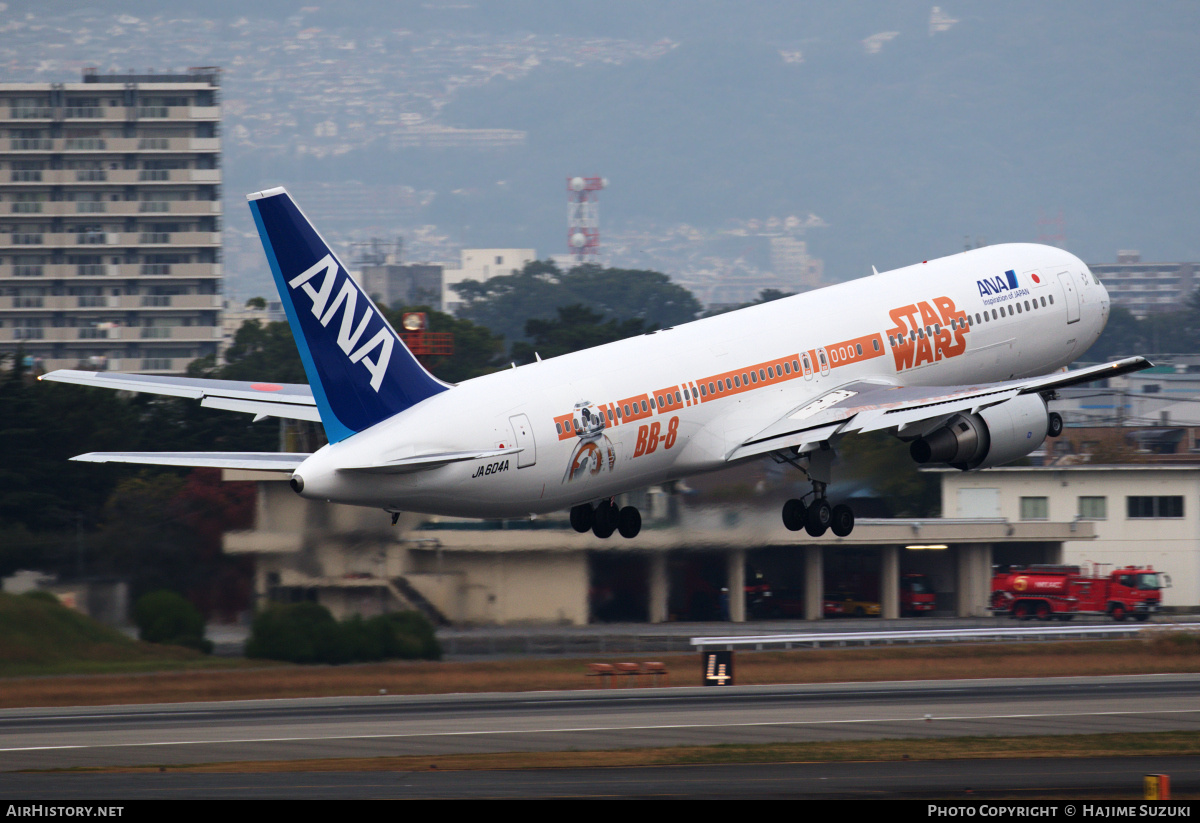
<point x="261" y="461"/>
<point x="293" y="401"/>
<point x="421" y="462"/>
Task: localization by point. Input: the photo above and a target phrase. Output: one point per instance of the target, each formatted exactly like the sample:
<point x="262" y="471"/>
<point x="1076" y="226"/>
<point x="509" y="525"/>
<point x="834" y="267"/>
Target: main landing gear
<point x="605" y="518"/>
<point x="817" y="516"/>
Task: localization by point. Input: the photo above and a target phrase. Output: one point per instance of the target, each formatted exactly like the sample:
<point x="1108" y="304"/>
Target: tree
<point x="576" y="327"/>
<point x="166" y="617"/>
<point x="505" y="303"/>
<point x="884" y="462"/>
<point x="764" y="296"/>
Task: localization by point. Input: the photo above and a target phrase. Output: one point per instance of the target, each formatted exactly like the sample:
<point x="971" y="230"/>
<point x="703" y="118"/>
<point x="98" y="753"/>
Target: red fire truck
<point x="1053" y="592"/>
<point x="917" y="597"/>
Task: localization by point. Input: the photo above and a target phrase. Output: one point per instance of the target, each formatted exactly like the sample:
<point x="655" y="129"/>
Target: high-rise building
<point x="110" y="221"/>
<point x="1146" y="288"/>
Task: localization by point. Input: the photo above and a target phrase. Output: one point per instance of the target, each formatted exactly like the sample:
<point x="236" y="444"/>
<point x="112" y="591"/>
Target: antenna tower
<point x="1052" y="230"/>
<point x="583" y="216"/>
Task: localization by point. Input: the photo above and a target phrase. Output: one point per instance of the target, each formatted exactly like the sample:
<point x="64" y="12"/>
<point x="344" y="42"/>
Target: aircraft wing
<point x="290" y="400"/>
<point x="261" y="461"/>
<point x="905" y="410"/>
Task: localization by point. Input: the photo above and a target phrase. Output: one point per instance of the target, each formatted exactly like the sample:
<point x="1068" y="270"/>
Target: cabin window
<point x="677" y="400"/>
<point x="761" y="375"/>
<point x="643" y="406"/>
<point x="787" y="368"/>
<point x="737" y="381"/>
<point x="559" y="427"/>
<point x="753" y="377"/>
<point x="610" y="416"/>
<point x="728" y="383"/>
<point x="1043" y="302"/>
<point x="858" y="349"/>
<point x="875" y="343"/>
<point x="626" y="409"/>
<point x="1052" y="300"/>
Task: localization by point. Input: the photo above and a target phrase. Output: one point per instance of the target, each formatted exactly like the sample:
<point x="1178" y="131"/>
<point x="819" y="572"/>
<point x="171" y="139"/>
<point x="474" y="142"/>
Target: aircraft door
<point x="807" y="366"/>
<point x="823" y="360"/>
<point x="523" y="433"/>
<point x="1071" y="295"/>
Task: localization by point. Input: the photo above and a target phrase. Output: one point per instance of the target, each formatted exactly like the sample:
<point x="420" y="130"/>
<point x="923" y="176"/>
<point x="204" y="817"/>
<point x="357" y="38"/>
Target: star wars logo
<point x="926" y="332"/>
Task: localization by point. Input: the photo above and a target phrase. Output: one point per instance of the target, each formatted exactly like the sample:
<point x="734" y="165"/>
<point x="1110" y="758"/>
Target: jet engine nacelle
<point x="994" y="436"/>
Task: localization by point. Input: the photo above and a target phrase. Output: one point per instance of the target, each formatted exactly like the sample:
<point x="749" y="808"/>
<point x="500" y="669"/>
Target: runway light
<point x="928" y="547"/>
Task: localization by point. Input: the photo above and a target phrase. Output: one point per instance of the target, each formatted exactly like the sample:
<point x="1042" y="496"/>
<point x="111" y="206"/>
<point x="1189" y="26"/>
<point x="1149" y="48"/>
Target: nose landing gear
<point x="605" y="518"/>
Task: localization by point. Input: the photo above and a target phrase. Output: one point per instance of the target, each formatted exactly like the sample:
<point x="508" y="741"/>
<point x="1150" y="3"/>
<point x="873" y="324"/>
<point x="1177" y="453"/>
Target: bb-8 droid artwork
<point x="594" y="452"/>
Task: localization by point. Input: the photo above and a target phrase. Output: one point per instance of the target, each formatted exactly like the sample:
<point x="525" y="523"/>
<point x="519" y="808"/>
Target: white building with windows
<point x="480" y="265"/>
<point x="1142" y="514"/>
<point x="110" y="221"/>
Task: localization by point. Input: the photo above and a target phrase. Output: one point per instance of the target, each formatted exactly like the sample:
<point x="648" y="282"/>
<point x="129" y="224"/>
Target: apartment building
<point x="1145" y="288"/>
<point x="110" y="221"/>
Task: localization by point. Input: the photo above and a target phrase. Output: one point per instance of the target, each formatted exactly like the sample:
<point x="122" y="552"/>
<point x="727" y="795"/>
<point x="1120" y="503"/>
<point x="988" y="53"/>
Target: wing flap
<point x="905" y="410"/>
<point x="261" y="461"/>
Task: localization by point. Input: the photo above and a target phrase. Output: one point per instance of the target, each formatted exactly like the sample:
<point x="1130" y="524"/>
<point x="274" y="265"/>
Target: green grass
<point x="39" y="636"/>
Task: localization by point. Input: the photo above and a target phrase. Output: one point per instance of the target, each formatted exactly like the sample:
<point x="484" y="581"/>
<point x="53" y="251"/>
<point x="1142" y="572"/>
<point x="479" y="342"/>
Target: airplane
<point x="957" y="356"/>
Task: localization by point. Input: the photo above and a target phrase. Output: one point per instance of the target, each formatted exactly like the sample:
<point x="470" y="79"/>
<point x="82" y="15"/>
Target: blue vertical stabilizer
<point x="360" y="370"/>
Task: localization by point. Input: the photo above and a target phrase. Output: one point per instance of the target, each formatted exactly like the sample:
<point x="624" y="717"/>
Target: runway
<point x="586" y="720"/>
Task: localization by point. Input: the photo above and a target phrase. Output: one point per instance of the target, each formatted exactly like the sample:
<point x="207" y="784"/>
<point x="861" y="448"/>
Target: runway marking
<point x="661" y="727"/>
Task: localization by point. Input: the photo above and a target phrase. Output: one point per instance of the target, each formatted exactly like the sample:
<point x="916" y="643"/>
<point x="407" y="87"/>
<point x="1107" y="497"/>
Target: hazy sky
<point x="903" y="128"/>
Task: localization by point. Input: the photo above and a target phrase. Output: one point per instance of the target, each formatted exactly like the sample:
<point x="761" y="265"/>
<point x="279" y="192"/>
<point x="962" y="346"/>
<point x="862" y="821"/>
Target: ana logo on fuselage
<point x="995" y="285"/>
<point x="347" y="300"/>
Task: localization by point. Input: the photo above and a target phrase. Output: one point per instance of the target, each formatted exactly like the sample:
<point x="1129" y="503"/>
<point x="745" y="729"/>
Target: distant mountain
<point x="906" y="127"/>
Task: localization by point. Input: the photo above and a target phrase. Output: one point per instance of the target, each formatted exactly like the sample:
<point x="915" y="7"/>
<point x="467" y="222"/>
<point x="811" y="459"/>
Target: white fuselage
<point x="711" y="384"/>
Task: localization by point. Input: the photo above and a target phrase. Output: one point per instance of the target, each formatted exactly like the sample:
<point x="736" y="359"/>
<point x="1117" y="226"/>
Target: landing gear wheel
<point x="606" y="520"/>
<point x="1054" y="425"/>
<point x="793" y="514"/>
<point x="629" y="522"/>
<point x="842" y="520"/>
<point x="818" y="517"/>
<point x="582" y="518"/>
